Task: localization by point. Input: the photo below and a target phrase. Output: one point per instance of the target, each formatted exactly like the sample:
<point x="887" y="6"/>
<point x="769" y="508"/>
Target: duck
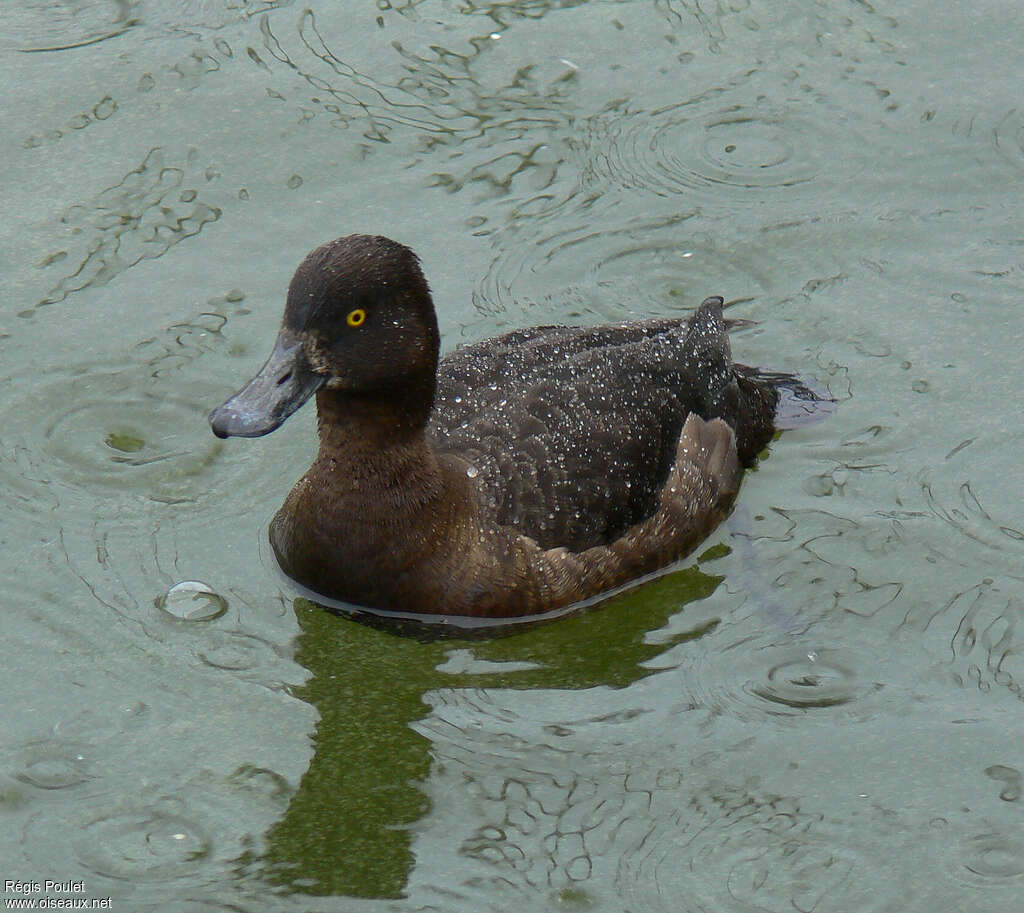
<point x="513" y="477"/>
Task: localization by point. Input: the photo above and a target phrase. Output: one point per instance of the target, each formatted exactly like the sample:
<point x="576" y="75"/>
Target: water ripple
<point x="989" y="859"/>
<point x="237" y="652"/>
<point x="972" y="520"/>
<point x="344" y="94"/>
<point x="802" y="679"/>
<point x="431" y="91"/>
<point x="1010" y="778"/>
<point x="105" y="436"/>
<point x="154" y="207"/>
<point x="130" y="839"/>
<point x="141" y="844"/>
<point x="44" y="25"/>
<point x="53" y="763"/>
<point x="737" y="847"/>
<point x="977" y="138"/>
<point x="785" y="681"/>
<point x="116" y="438"/>
<point x="667" y="830"/>
<point x="1008" y="138"/>
<point x="973" y="636"/>
<point x="102" y="110"/>
<point x="592" y="260"/>
<point x="542" y="826"/>
<point x="726" y="150"/>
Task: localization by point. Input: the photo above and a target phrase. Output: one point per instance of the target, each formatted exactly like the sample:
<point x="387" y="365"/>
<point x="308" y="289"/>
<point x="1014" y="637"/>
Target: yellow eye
<point x="355" y="318"/>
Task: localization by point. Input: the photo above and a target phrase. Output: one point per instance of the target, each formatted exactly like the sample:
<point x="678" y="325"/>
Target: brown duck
<point x="514" y="476"/>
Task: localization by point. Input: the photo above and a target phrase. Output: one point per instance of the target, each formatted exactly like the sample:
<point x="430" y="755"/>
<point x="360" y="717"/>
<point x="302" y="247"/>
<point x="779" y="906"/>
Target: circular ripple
<point x="144" y="845"/>
<point x="739" y="850"/>
<point x="125" y="464"/>
<point x="116" y="435"/>
<point x="100" y="434"/>
<point x="234" y="652"/>
<point x="993" y="858"/>
<point x="764" y="872"/>
<point x="738" y="152"/>
<point x="740" y="148"/>
<point x="102" y="722"/>
<point x="92" y="443"/>
<point x="786" y="681"/>
<point x="808" y="680"/>
<point x="593" y="267"/>
<point x="52" y="764"/>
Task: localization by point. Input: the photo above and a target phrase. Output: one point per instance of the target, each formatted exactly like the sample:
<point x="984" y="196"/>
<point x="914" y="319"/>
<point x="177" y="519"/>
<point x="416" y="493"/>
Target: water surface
<point x="820" y="712"/>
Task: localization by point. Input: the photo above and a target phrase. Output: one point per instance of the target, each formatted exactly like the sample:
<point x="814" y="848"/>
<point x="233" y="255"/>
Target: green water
<point x="824" y="712"/>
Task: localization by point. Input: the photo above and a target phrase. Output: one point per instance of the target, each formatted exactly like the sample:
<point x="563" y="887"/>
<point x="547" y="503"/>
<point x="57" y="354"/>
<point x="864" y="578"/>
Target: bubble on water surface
<point x="192" y="600"/>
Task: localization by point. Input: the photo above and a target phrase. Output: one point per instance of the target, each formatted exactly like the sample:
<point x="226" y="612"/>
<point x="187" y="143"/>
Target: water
<point x="822" y="712"/>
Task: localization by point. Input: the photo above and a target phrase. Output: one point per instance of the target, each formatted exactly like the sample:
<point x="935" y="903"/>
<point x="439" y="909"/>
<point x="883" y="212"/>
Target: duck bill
<point x="283" y="384"/>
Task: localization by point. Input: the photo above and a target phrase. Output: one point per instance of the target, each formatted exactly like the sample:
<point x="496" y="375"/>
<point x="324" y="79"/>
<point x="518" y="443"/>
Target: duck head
<point x="359" y="325"/>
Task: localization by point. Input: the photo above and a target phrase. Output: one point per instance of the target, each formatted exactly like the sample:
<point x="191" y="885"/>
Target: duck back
<point x="572" y="431"/>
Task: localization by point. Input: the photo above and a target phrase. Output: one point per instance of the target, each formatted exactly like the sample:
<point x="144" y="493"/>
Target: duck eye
<point x="355" y="318"/>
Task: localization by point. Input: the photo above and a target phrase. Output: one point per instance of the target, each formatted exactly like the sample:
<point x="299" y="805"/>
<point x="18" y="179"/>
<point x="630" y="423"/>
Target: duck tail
<point x="706" y="346"/>
<point x="755" y="402"/>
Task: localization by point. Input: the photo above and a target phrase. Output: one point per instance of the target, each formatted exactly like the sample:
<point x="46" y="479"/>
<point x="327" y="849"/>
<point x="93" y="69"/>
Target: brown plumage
<point x="515" y="476"/>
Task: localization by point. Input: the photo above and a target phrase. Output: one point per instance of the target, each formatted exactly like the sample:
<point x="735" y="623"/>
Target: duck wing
<point x="572" y="431"/>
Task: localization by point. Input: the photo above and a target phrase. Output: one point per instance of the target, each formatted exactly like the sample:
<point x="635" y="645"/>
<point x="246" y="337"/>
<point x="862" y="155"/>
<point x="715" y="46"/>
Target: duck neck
<point x="376" y="441"/>
<point x="377" y="498"/>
